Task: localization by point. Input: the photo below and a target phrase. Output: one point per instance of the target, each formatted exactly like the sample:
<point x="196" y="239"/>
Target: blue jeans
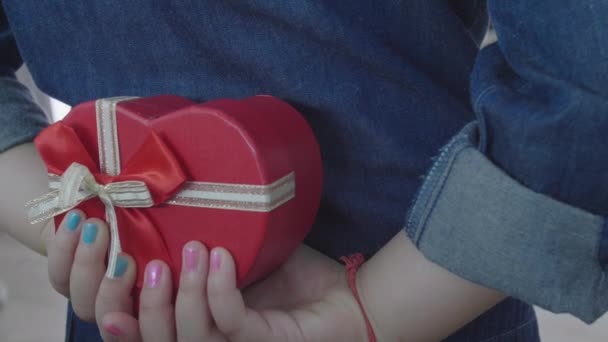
<point x="384" y="86"/>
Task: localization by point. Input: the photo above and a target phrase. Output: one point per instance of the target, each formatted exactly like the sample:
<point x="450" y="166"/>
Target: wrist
<point x="353" y="263"/>
<point x="363" y="287"/>
<point x="389" y="298"/>
<point x="407" y="297"/>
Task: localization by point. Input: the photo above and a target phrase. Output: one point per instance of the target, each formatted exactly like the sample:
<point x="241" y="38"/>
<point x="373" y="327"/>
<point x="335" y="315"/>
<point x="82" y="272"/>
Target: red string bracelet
<point x="352" y="263"/>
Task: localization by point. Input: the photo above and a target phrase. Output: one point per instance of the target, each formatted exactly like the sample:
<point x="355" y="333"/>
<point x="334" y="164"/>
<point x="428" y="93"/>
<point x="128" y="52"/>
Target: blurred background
<point x="31" y="311"/>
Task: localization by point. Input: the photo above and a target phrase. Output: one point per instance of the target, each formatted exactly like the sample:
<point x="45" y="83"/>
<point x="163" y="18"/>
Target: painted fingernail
<point x="113" y="330"/>
<point x="121" y="266"/>
<point x="89" y="233"/>
<point x="191" y="258"/>
<point x="216" y="260"/>
<point x="72" y="221"/>
<point x="153" y="273"/>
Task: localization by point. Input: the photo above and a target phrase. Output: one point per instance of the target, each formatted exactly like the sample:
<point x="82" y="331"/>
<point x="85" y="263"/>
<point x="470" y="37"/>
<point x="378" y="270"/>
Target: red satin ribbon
<point x="153" y="164"/>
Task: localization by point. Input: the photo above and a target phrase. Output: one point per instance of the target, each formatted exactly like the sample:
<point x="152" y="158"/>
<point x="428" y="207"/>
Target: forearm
<point x="22" y="178"/>
<point x="22" y="173"/>
<point x="409" y="298"/>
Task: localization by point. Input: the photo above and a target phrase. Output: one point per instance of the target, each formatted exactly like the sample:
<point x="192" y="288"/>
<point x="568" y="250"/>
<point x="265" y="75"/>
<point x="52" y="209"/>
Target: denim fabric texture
<point x="558" y="236"/>
<point x="540" y="96"/>
<point x="20" y="118"/>
<point x="381" y="99"/>
<point x="9" y="58"/>
<point x="384" y="86"/>
<point x="603" y="247"/>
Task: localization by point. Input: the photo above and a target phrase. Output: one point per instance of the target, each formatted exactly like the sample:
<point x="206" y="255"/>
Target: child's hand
<point x="76" y="262"/>
<point x="308" y="299"/>
<point x="159" y="320"/>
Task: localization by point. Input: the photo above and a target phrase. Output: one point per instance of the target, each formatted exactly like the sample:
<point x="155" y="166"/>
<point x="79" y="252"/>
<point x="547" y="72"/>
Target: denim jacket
<point x="517" y="196"/>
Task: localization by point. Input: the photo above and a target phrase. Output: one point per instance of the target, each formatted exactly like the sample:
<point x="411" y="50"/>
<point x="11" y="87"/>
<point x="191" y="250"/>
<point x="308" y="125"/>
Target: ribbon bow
<point x="151" y="177"/>
<point x="78" y="185"/>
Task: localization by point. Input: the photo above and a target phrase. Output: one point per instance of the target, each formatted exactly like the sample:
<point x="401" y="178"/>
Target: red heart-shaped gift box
<point x="237" y="150"/>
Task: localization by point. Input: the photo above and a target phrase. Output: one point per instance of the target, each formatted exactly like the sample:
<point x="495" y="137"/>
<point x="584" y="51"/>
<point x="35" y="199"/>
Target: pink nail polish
<point x="153" y="273"/>
<point x="112" y="329"/>
<point x="216" y="260"/>
<point x="191" y="258"/>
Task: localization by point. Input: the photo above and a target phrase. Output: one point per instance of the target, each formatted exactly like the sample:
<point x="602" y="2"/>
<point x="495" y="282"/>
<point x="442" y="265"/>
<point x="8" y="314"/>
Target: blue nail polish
<point x="89" y="233"/>
<point x="72" y="221"/>
<point x="121" y="266"/>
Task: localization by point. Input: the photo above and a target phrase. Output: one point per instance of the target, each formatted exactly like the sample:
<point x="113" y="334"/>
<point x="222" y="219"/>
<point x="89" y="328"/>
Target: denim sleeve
<point x="518" y="200"/>
<point x="20" y="117"/>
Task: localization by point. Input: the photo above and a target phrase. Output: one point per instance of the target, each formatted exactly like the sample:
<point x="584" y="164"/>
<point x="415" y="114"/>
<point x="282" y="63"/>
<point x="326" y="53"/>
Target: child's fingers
<point x="156" y="314"/>
<point x="192" y="315"/>
<point x="115" y="293"/>
<point x="226" y="303"/>
<point x="61" y="248"/>
<point x="89" y="267"/>
<point x="120" y="327"/>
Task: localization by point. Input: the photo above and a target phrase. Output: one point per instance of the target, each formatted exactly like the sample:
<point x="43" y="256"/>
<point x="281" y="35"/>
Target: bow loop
<point x="77" y="184"/>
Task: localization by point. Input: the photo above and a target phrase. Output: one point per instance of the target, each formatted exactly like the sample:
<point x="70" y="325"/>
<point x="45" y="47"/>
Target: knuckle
<point x="185" y="307"/>
<point x="110" y="297"/>
<point x="233" y="331"/>
<point x="61" y="248"/>
<point x="215" y="289"/>
<point x="219" y="293"/>
<point x="191" y="287"/>
<point x="85" y="257"/>
<point x="152" y="308"/>
<point x="61" y="284"/>
<point x="106" y="297"/>
<point x="85" y="313"/>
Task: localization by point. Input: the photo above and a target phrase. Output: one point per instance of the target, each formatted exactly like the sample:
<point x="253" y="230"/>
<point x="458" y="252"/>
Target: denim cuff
<point x="473" y="219"/>
<point x="21" y="119"/>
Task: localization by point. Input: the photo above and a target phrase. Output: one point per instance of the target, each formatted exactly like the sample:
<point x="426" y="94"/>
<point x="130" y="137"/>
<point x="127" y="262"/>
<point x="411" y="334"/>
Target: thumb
<point x="226" y="302"/>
